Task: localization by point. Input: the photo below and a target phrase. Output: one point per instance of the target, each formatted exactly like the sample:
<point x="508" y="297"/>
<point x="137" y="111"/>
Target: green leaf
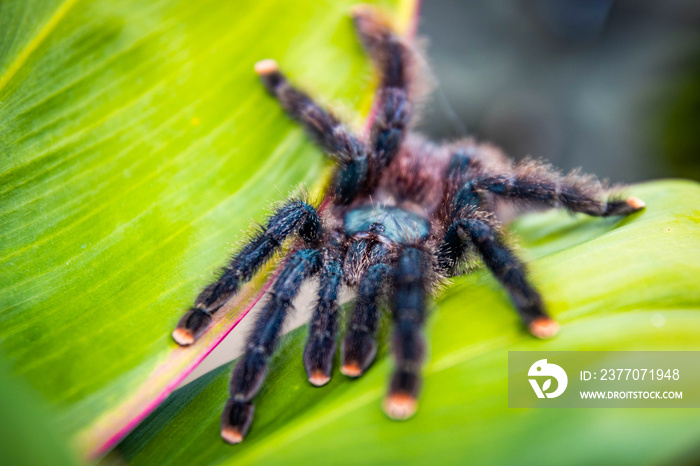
<point x="28" y="434"/>
<point x="609" y="281"/>
<point x="136" y="144"/>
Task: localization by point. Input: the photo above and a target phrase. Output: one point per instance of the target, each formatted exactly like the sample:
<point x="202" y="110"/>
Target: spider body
<point x="403" y="214"/>
<point x="402" y="208"/>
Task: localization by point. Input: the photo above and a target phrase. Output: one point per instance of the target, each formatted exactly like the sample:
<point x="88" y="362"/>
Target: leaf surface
<point x="136" y="145"/>
<point x="28" y="433"/>
<point x="614" y="284"/>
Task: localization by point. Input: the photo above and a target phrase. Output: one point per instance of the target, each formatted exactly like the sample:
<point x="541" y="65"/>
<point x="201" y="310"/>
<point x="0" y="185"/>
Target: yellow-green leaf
<point x="136" y="144"/>
<point x="613" y="283"/>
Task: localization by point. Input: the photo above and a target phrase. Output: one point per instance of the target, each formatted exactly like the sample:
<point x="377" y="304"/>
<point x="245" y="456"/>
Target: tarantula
<point x="403" y="214"/>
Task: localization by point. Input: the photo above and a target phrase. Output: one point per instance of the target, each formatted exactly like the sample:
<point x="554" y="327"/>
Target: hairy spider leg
<point x="359" y="346"/>
<point x="250" y="371"/>
<point x="324" y="128"/>
<point x="532" y="181"/>
<point x="293" y="217"/>
<point x="408" y="306"/>
<point x="394" y="61"/>
<point x="323" y="327"/>
<point x="362" y="253"/>
<point x="504" y="265"/>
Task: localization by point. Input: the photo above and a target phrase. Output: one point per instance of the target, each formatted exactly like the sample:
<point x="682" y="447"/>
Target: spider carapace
<point x="403" y="214"/>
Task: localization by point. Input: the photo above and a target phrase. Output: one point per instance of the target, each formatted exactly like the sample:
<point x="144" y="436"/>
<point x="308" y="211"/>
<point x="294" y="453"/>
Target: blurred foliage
<point x="582" y="83"/>
<point x="681" y="138"/>
<point x="29" y="435"/>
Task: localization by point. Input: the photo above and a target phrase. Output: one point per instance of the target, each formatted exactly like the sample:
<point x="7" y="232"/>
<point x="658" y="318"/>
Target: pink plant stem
<point x="175" y="382"/>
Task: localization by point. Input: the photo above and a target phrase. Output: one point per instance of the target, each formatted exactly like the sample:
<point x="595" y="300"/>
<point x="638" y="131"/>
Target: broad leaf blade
<point x="136" y="145"/>
<point x="29" y="434"/>
<point x="609" y="282"/>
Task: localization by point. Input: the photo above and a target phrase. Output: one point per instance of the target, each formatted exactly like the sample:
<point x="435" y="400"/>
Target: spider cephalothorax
<point x="403" y="214"/>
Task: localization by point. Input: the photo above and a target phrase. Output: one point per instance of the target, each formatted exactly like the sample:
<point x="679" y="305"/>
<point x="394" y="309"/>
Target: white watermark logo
<point x="543" y="369"/>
